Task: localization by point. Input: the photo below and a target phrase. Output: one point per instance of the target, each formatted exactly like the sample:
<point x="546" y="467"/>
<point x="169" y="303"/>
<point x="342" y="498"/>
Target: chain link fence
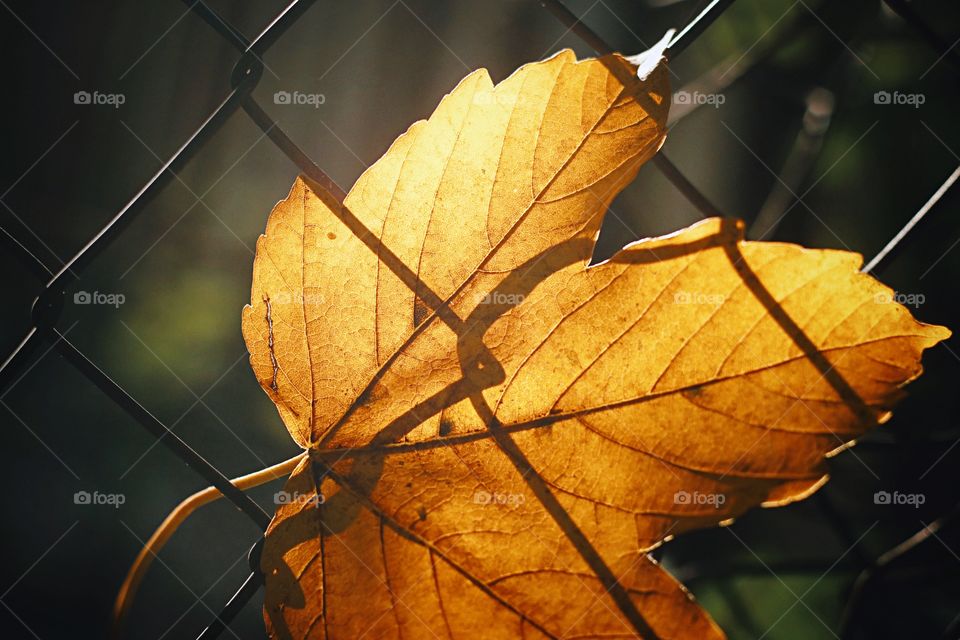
<point x="46" y="332"/>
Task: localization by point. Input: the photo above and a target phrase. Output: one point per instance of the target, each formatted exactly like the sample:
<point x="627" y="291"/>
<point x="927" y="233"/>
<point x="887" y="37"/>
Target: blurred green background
<point x="798" y="83"/>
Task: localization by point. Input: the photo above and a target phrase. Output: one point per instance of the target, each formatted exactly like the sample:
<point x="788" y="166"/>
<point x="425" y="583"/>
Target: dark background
<point x="184" y="268"/>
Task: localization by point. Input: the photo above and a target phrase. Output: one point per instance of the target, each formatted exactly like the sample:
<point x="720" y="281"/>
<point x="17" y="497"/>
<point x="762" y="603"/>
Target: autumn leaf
<point x="497" y="433"/>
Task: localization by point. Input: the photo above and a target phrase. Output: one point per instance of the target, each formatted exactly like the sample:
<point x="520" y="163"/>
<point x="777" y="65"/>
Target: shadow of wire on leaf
<point x="350" y="477"/>
<point x="336" y="512"/>
<point x="355" y="473"/>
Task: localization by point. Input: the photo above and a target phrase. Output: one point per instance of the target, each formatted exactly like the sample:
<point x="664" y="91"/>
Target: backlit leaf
<point x="498" y="432"/>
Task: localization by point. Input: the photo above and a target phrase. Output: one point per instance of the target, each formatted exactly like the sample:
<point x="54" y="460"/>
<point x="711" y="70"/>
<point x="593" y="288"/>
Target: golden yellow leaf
<point x="498" y="433"/>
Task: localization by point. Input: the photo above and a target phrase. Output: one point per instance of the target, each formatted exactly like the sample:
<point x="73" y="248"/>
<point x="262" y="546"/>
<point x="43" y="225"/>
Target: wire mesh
<point x="244" y="78"/>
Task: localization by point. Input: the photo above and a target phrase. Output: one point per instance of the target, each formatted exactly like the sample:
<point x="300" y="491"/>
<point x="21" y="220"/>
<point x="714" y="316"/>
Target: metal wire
<point x="677" y="44"/>
<point x="879" y="259"/>
<point x="49" y="303"/>
<point x="243" y="80"/>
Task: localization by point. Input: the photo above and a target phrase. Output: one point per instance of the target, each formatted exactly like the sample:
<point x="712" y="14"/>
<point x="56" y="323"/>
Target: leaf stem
<point x="172" y="522"/>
